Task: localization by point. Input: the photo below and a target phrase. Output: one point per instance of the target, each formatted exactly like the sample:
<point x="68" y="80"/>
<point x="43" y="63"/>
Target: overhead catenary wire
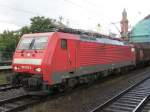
<point x="20" y="10"/>
<point x="84" y="9"/>
<point x="91" y="11"/>
<point x="37" y="13"/>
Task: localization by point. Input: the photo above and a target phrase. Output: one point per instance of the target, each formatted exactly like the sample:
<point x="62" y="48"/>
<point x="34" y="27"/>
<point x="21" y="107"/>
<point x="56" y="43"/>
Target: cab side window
<point x="63" y="43"/>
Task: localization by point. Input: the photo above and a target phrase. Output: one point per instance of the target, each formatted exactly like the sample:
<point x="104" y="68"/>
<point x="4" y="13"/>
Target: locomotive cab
<point x="42" y="60"/>
<point x="28" y="60"/>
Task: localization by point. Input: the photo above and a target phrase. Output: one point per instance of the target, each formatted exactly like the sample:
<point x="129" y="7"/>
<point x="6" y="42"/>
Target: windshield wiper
<point x="34" y="48"/>
<point x="31" y="44"/>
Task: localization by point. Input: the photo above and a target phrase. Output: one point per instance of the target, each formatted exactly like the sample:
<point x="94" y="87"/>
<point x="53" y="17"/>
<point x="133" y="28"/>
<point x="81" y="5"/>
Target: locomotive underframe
<point x="35" y="82"/>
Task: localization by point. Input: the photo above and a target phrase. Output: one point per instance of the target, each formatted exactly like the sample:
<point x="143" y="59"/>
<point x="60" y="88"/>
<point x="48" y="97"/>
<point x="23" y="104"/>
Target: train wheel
<point x="105" y="73"/>
<point x="72" y="82"/>
<point x="83" y="80"/>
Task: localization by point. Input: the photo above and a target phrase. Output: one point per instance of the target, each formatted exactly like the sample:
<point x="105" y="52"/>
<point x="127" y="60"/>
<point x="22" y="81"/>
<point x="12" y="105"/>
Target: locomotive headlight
<point x="132" y="49"/>
<point x="15" y="67"/>
<point x="38" y="70"/>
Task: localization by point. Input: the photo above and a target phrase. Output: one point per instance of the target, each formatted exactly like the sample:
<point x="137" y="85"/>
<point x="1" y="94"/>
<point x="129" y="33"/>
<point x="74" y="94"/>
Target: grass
<point x="2" y="78"/>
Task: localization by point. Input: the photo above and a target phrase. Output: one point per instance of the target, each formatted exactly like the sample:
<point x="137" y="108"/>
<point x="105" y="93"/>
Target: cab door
<point x="71" y="55"/>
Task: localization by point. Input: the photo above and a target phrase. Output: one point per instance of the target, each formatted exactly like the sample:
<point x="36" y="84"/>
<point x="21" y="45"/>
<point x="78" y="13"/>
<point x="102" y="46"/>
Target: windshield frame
<point x="32" y="43"/>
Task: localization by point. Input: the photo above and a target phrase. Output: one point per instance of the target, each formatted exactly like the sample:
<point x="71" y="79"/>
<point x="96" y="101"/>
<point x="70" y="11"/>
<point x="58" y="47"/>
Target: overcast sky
<point x="85" y="14"/>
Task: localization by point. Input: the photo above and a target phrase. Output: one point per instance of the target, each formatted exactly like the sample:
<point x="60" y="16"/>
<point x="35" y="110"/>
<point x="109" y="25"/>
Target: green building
<point x="141" y="31"/>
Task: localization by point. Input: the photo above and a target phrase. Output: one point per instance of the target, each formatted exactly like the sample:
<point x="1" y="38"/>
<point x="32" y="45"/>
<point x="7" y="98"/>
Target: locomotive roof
<point x="38" y="34"/>
<point x="103" y="39"/>
<point x="76" y="32"/>
<point x="83" y="37"/>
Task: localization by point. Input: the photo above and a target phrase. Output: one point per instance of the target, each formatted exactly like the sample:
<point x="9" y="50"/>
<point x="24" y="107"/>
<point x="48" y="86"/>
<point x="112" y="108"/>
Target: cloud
<point x="7" y="26"/>
<point x="84" y="14"/>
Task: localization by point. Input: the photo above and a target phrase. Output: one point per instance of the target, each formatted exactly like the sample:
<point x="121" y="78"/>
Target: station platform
<point x="9" y="67"/>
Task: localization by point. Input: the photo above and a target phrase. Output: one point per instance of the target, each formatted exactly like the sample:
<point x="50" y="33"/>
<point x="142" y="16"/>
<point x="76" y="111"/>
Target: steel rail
<point x="22" y="106"/>
<point x="115" y="98"/>
<point x="7" y="86"/>
<point x="141" y="105"/>
<point x="17" y="103"/>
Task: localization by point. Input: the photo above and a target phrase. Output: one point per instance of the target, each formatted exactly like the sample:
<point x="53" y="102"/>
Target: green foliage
<point x="8" y="42"/>
<point x="25" y="30"/>
<point x="3" y="78"/>
<point x="41" y="24"/>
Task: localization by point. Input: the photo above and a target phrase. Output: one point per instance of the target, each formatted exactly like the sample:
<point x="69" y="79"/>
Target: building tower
<point x="124" y="25"/>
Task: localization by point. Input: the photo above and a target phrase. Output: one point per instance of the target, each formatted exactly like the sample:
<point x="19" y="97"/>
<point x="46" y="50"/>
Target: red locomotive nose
<point x="33" y="55"/>
<point x="30" y="54"/>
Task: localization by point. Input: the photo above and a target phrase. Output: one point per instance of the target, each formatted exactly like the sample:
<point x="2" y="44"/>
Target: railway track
<point x="146" y="107"/>
<point x="18" y="103"/>
<point x="13" y="102"/>
<point x="22" y="101"/>
<point x="4" y="87"/>
<point x="130" y="100"/>
<point x="6" y="67"/>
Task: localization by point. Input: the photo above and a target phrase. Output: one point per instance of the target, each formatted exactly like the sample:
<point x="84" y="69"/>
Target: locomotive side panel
<point x="95" y="57"/>
<point x="64" y="62"/>
<point x="68" y="56"/>
<point x="47" y="60"/>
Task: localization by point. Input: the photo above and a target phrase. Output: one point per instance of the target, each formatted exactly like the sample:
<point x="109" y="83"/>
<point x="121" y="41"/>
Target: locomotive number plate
<point x="26" y="67"/>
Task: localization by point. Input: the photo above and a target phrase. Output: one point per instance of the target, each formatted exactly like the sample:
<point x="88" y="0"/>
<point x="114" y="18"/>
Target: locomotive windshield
<point x="35" y="43"/>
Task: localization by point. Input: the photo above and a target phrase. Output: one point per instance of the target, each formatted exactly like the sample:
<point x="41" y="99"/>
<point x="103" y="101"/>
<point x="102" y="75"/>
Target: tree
<point x="25" y="30"/>
<point x="41" y="24"/>
<point x="8" y="42"/>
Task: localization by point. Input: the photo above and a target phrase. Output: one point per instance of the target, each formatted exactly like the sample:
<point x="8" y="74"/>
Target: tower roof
<point x="124" y="13"/>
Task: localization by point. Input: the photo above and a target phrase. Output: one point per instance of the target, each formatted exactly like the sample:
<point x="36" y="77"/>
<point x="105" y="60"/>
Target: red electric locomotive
<point x="46" y="60"/>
